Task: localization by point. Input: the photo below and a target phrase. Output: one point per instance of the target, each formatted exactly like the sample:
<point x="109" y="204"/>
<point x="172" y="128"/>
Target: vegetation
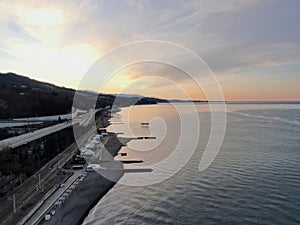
<point x="23" y="97"/>
<point x="26" y="160"/>
<point x="4" y="134"/>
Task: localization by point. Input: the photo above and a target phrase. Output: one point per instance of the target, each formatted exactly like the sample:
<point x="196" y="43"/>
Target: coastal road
<point x="28" y="189"/>
<point x="50" y="201"/>
<point x="28" y="137"/>
<point x="46" y="204"/>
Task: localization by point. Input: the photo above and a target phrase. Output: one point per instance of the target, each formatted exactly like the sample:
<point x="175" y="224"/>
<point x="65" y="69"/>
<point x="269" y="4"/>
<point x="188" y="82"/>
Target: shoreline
<point x="113" y="150"/>
<point x="95" y="202"/>
<point x="85" y="215"/>
<point x="90" y="191"/>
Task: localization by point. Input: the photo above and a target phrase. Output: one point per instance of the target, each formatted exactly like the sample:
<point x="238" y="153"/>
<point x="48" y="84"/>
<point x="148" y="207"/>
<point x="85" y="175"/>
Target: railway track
<point x="28" y="190"/>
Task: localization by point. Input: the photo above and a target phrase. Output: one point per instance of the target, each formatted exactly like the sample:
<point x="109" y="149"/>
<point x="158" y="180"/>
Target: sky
<point x="251" y="47"/>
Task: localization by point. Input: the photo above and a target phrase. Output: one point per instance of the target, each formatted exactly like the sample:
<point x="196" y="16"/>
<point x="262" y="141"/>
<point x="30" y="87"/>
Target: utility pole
<point x="40" y="184"/>
<point x="14" y="204"/>
<point x="11" y="180"/>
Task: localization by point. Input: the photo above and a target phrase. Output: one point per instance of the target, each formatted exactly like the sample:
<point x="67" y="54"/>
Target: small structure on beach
<point x="47" y="217"/>
<point x="88" y="153"/>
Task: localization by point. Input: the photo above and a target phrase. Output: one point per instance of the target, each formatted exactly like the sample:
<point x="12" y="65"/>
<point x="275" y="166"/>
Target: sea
<point x="253" y="177"/>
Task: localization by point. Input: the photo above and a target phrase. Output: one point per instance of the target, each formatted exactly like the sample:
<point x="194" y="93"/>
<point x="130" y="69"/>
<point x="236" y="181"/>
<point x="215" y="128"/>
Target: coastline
<point x="101" y="193"/>
<point x="91" y="189"/>
<point x="88" y="193"/>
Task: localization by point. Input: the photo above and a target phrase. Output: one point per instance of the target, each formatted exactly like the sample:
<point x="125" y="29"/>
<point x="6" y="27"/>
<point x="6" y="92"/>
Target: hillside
<point x="21" y="96"/>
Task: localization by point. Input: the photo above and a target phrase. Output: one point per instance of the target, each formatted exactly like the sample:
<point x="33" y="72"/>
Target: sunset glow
<point x="253" y="58"/>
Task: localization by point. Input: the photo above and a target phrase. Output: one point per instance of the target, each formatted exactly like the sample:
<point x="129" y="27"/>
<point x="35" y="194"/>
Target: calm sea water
<point x="255" y="178"/>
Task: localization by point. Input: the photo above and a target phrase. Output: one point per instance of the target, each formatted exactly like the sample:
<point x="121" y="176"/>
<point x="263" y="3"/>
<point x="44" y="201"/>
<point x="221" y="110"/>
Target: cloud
<point x="138" y="4"/>
<point x="233" y="37"/>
